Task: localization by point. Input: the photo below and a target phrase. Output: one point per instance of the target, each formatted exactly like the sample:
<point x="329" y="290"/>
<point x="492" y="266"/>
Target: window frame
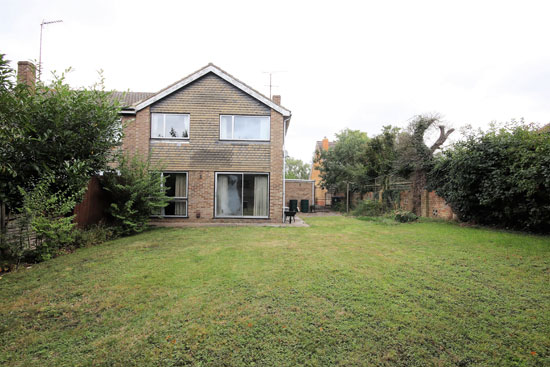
<point x="242" y="195"/>
<point x="233" y="128"/>
<point x="177" y="198"/>
<point x="164" y="125"/>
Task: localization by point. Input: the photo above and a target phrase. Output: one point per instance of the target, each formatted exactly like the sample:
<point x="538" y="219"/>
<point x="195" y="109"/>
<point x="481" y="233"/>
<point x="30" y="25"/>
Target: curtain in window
<point x="260" y="196"/>
<point x="222" y="206"/>
<point x="181" y="191"/>
<point x="181" y="185"/>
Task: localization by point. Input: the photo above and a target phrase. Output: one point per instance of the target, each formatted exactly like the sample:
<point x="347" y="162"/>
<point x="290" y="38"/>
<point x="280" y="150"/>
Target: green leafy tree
<point x="500" y="177"/>
<point x="380" y="153"/>
<point x="357" y="159"/>
<point x="137" y="192"/>
<point x="296" y="169"/>
<point x="345" y="162"/>
<point x="53" y="130"/>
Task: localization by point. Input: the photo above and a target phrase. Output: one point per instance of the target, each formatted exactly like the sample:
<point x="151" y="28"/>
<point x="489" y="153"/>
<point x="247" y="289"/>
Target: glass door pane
<point x="229" y="195"/>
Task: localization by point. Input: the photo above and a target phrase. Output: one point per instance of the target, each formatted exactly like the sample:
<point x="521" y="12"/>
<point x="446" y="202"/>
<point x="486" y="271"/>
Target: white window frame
<point x="164" y="125"/>
<point x="178" y="198"/>
<point x="242" y="195"/>
<point x="233" y="128"/>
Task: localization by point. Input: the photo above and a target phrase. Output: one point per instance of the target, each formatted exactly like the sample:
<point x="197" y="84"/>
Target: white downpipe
<point x="284" y="169"/>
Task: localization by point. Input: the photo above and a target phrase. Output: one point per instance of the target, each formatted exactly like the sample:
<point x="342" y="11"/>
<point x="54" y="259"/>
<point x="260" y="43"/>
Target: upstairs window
<point x="169" y="126"/>
<point x="236" y="127"/>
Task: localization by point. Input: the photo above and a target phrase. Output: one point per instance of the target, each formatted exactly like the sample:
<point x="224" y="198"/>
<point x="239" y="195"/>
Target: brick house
<point x="322" y="196"/>
<point x="220" y="143"/>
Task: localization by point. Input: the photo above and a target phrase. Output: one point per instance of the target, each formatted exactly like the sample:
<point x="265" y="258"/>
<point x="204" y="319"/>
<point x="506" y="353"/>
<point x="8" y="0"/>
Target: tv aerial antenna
<point x="40" y="54"/>
<point x="270" y="85"/>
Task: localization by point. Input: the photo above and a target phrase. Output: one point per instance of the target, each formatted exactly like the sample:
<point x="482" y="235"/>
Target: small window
<point x="176" y="184"/>
<point x="236" y="127"/>
<point x="169" y="126"/>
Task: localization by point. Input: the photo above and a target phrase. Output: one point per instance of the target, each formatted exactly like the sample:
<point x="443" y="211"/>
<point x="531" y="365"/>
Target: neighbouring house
<point x="322" y="196"/>
<point x="220" y="143"/>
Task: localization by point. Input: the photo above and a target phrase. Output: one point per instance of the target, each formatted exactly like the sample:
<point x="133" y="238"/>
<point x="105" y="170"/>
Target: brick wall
<point x="299" y="190"/>
<point x="204" y="154"/>
<point x="432" y="206"/>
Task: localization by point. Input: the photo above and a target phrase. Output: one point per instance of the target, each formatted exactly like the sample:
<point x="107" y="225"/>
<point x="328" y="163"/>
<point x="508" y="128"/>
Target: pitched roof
<point x="211" y="68"/>
<point x="127" y="99"/>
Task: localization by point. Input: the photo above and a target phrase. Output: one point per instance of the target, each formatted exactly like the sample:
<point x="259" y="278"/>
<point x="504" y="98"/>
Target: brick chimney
<point x="325" y="143"/>
<point x="26" y="73"/>
<point x="276" y="99"/>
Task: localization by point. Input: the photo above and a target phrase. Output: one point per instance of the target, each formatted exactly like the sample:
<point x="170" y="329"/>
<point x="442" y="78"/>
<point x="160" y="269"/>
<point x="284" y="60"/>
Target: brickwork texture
<point x="204" y="153"/>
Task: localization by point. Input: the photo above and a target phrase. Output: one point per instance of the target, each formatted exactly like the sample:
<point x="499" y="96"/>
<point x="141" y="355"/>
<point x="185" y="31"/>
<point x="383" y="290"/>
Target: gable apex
<point x="211" y="68"/>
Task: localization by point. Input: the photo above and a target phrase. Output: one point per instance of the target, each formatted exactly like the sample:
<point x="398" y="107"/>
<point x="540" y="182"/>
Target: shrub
<point x="404" y="216"/>
<point x="93" y="235"/>
<point x="48" y="217"/>
<point x="339" y="206"/>
<point x="53" y="129"/>
<point x="137" y="192"/>
<point x="500" y="177"/>
<point x="42" y="226"/>
<point x="369" y="208"/>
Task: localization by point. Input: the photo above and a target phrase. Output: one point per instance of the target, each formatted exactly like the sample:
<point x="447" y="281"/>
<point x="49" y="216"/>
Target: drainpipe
<point x="284" y="168"/>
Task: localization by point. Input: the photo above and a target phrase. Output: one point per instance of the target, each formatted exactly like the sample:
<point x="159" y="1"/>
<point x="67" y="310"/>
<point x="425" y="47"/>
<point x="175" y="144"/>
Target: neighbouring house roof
<point x="210" y="68"/>
<point x="128" y="99"/>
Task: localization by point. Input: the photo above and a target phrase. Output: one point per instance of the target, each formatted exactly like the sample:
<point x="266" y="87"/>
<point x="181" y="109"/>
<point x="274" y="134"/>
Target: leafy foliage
<point x="93" y="235"/>
<point x="357" y="159"/>
<point x="414" y="158"/>
<point x="296" y="169"/>
<point x="137" y="192"/>
<point x="369" y="208"/>
<point x="404" y="216"/>
<point x="500" y="177"/>
<point x="55" y="131"/>
<point x="43" y="224"/>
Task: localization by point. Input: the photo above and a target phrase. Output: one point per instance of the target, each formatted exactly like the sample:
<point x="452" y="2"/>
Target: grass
<point x="342" y="292"/>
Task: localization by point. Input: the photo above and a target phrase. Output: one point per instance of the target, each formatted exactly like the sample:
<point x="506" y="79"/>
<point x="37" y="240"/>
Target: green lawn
<point x="342" y="292"/>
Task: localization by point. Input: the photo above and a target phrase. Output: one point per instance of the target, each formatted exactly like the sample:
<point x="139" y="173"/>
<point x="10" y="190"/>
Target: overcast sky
<point x="339" y="64"/>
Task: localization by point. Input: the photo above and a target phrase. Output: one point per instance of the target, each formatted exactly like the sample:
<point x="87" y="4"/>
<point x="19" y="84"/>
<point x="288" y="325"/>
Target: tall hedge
<point x="500" y="177"/>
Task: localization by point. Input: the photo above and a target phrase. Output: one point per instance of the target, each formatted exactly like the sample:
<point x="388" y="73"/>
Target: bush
<point x="500" y="178"/>
<point x="339" y="206"/>
<point x="136" y="193"/>
<point x="404" y="216"/>
<point x="369" y="208"/>
<point x="93" y="235"/>
<point x="43" y="224"/>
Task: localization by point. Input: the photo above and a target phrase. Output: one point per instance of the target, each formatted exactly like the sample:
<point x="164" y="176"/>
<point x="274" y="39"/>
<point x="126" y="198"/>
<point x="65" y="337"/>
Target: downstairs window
<point x="242" y="195"/>
<point x="177" y="191"/>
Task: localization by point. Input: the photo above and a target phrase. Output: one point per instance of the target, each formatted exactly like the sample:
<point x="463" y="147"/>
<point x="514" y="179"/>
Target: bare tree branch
<point x="442" y="138"/>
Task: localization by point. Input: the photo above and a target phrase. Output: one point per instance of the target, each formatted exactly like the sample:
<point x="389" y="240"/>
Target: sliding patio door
<point x="242" y="195"/>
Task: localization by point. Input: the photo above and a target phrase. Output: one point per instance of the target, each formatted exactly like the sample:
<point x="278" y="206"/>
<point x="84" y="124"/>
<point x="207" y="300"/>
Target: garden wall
<point x="299" y="190"/>
<point x="432" y="206"/>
